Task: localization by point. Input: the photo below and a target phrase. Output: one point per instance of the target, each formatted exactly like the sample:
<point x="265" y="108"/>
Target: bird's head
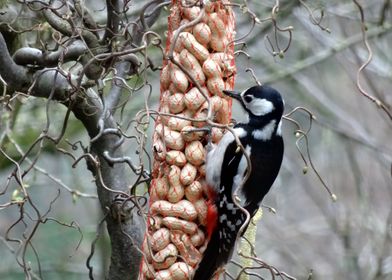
<point x="260" y="102"/>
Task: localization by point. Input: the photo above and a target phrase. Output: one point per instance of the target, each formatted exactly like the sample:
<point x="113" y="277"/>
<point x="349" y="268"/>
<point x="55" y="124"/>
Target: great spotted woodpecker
<point x="226" y="167"/>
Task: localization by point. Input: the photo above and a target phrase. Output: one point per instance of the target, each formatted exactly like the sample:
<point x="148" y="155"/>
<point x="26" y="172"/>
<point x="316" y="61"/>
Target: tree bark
<point x="125" y="233"/>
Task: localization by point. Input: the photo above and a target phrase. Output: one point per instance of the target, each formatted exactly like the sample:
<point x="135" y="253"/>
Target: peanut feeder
<point x="200" y="34"/>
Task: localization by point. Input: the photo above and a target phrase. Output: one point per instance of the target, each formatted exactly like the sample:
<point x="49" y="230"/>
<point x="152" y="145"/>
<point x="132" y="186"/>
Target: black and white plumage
<point x="226" y="167"/>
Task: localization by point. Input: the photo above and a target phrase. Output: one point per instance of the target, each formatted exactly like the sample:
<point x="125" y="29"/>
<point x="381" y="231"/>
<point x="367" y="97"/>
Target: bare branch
<point x="321" y="56"/>
<point x="113" y="19"/>
<point x="13" y="74"/>
<point x="37" y="57"/>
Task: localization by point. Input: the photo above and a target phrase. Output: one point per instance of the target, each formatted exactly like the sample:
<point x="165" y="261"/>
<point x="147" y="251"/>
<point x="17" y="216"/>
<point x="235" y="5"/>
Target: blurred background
<point x="314" y="66"/>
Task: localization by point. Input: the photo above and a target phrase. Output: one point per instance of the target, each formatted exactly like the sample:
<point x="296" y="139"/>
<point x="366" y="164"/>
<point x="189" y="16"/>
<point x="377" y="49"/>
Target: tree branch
<point x="13" y="74"/>
<point x="125" y="233"/>
<point x="110" y="179"/>
<point x="321" y="56"/>
<point x="33" y="56"/>
<point x="65" y="28"/>
<point x="125" y="226"/>
<point x="147" y="20"/>
<point x="114" y="94"/>
<point x="113" y="19"/>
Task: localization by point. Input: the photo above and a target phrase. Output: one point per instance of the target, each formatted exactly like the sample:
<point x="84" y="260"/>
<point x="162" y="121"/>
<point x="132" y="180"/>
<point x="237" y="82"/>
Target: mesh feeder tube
<point x="199" y="64"/>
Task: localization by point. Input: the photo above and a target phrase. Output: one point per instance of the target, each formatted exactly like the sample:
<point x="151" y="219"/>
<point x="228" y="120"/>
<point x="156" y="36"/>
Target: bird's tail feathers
<point x="210" y="262"/>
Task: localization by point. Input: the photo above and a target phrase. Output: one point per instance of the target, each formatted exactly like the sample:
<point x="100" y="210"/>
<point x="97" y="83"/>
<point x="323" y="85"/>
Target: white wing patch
<point x="279" y="129"/>
<point x="266" y="132"/>
<point x="260" y="107"/>
<point x="215" y="157"/>
<point x="242" y="166"/>
<point x="240" y="132"/>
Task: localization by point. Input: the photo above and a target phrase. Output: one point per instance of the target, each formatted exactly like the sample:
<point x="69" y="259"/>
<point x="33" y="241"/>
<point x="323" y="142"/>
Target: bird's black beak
<point x="233" y="94"/>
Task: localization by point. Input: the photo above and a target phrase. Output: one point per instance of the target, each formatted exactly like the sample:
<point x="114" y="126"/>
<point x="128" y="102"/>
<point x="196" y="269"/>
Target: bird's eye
<point x="248" y="98"/>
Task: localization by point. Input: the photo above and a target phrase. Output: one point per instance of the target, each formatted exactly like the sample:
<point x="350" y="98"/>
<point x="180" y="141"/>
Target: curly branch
<point x="37" y="57"/>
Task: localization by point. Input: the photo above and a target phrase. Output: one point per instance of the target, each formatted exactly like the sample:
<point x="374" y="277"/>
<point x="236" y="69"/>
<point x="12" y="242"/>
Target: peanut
<point x="218" y="44"/>
<point x="188" y="174"/>
<point x="182" y="209"/>
<point x="217" y="26"/>
<point x="160" y="239"/>
<point x="185" y="247"/>
<point x="202" y="170"/>
<point x="194" y="98"/>
<point x="160" y="187"/>
<point x="178" y="124"/>
<point x="179" y="80"/>
<point x="176" y="103"/>
<point x="176" y="157"/>
<point x="191" y="13"/>
<point x="165" y="77"/>
<point x="174" y="175"/>
<point x="165" y="257"/>
<point x="202" y="33"/>
<point x="173" y="139"/>
<point x="224" y="61"/>
<point x="175" y="193"/>
<point x="194" y="47"/>
<point x="209" y="6"/>
<point x="181" y="271"/>
<point x="201" y="208"/>
<point x="193" y="66"/>
<point x="216" y="134"/>
<point x="173" y="223"/>
<point x="198" y="238"/>
<point x="215" y="85"/>
<point x="172" y="88"/>
<point x="195" y="153"/>
<point x="178" y="46"/>
<point x="178" y="271"/>
<point x="223" y="115"/>
<point x="194" y="191"/>
<point x="216" y="103"/>
<point x="176" y="190"/>
<point x="211" y="68"/>
<point x="164" y="274"/>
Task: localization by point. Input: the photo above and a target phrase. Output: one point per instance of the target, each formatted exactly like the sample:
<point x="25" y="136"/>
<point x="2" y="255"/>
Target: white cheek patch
<point x="260" y="107"/>
<point x="266" y="132"/>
